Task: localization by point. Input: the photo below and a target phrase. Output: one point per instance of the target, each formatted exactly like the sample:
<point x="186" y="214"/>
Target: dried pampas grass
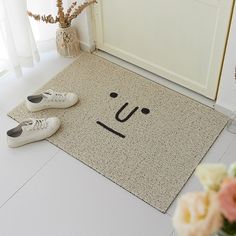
<point x="64" y="19"/>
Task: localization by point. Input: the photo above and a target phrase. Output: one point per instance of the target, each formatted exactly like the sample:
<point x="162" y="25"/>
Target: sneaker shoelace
<point x="40" y="124"/>
<point x="54" y="96"/>
<point x="35" y="124"/>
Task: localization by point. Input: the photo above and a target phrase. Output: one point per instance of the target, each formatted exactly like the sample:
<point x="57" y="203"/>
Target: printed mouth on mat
<point x="110" y="129"/>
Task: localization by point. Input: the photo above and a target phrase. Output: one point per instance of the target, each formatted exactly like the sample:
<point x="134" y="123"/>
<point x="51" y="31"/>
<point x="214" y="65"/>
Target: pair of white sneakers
<point x="32" y="130"/>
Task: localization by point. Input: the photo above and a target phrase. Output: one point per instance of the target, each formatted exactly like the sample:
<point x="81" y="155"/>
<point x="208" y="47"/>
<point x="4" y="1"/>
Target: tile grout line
<point x="27" y="181"/>
<point x="222" y="156"/>
<point x="172" y="233"/>
<point x="3" y="111"/>
<point x="219" y="160"/>
<point x="167" y="213"/>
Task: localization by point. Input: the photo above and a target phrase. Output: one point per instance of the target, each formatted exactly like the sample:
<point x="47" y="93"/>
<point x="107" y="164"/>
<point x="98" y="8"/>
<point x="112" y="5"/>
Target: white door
<point x="180" y="40"/>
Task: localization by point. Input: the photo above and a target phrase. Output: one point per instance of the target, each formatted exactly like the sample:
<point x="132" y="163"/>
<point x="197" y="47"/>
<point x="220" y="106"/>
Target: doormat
<point x="142" y="136"/>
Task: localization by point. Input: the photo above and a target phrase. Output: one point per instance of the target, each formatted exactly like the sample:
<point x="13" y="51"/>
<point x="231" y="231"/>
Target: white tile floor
<point x="46" y="192"/>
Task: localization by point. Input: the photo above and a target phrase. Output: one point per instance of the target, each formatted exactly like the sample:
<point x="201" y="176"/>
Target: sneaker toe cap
<point x="54" y="123"/>
<point x="72" y="98"/>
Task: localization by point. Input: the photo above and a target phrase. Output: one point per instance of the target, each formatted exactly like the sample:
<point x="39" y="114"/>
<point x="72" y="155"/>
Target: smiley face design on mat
<point x="132" y="111"/>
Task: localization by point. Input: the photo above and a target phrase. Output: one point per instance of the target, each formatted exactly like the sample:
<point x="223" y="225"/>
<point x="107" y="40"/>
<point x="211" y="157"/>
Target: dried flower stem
<point x="61" y="13"/>
<point x="47" y="19"/>
<point x="73" y="5"/>
<point x="79" y="9"/>
<point x="63" y="19"/>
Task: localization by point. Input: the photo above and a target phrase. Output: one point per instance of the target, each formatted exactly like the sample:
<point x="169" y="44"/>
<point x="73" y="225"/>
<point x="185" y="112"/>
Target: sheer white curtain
<point x="17" y="44"/>
<point x="45" y="33"/>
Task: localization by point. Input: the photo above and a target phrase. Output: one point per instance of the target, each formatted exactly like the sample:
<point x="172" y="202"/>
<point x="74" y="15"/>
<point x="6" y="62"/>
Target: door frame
<point x="95" y="33"/>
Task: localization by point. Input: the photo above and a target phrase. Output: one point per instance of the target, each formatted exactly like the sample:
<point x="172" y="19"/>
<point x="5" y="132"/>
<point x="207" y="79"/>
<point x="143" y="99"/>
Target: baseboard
<point x="86" y="47"/>
<point x="50" y="45"/>
<point x="223" y="109"/>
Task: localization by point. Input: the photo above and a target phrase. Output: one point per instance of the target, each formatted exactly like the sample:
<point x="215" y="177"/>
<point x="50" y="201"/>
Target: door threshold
<point x="162" y="81"/>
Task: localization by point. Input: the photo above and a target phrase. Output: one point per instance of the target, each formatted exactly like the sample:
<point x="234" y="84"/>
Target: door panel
<point x="180" y="40"/>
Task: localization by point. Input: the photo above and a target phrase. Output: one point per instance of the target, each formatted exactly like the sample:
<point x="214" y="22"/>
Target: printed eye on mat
<point x="140" y="135"/>
<point x="114" y="95"/>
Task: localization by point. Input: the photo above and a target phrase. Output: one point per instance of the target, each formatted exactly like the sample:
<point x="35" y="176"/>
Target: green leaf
<point x="229" y="228"/>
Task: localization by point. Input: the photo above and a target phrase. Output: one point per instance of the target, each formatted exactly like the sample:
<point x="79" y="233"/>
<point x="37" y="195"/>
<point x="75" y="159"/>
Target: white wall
<point x="84" y="28"/>
<point x="226" y="100"/>
<point x="45" y="33"/>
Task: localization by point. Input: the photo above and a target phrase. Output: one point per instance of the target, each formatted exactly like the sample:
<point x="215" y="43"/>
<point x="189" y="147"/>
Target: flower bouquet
<point x="212" y="212"/>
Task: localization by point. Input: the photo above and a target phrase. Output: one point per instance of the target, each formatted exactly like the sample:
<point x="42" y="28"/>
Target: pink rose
<point x="198" y="214"/>
<point x="227" y="199"/>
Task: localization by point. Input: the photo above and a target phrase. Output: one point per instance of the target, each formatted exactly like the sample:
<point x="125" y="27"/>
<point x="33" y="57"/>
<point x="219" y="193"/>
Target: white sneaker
<point x="32" y="130"/>
<point x="51" y="99"/>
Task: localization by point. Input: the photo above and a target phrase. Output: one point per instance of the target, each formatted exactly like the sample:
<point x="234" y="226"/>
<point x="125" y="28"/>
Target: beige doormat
<point x="142" y="136"/>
